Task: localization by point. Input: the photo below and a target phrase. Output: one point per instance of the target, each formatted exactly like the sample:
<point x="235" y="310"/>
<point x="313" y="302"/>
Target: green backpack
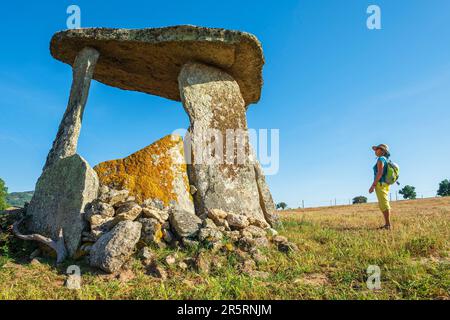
<point x="392" y="173"/>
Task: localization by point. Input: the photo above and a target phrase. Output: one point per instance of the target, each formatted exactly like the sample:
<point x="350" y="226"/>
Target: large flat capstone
<point x="149" y="60"/>
<point x="62" y="192"/>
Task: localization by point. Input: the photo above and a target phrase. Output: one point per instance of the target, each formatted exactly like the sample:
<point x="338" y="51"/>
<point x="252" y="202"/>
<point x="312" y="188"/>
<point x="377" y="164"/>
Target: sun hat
<point x="382" y="146"/>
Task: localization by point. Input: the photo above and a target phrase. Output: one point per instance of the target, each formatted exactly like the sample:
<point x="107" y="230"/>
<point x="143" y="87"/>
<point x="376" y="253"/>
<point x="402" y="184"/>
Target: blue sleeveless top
<point x="375" y="169"/>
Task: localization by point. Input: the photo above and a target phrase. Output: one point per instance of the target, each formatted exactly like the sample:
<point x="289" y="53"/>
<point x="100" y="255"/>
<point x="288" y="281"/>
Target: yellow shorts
<point x="382" y="191"/>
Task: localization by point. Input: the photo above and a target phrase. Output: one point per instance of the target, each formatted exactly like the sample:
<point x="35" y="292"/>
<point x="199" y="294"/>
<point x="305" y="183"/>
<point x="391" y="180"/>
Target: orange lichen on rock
<point x="155" y="172"/>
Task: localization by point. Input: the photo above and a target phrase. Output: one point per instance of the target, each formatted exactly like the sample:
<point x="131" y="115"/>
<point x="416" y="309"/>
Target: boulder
<point x="60" y="198"/>
<point x="184" y="223"/>
<point x="114" y="248"/>
<point x="157" y="172"/>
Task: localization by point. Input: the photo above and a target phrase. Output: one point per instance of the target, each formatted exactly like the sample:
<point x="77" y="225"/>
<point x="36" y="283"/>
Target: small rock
<point x="258" y="223"/>
<point x="255" y="231"/>
<point x="98" y="207"/>
<point x="155" y="213"/>
<point x="279" y="239"/>
<point x="112" y="196"/>
<point x="209" y="223"/>
<point x="271" y="232"/>
<point x="217" y="214"/>
<point x="35" y="262"/>
<point x="151" y="230"/>
<point x="192" y="189"/>
<point x="154" y="203"/>
<point x="237" y="221"/>
<point x="210" y="235"/>
<point x="170" y="259"/>
<point x="128" y="211"/>
<point x="184" y="223"/>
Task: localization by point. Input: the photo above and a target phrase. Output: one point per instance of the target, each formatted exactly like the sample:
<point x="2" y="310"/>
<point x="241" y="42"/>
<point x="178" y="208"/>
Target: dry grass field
<point x="336" y="246"/>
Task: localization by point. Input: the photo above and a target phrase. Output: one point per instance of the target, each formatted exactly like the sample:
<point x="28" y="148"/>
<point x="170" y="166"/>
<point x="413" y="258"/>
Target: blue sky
<point x="332" y="87"/>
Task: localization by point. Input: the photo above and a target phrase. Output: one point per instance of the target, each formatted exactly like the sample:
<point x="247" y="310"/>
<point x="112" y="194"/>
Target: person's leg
<point x="387" y="218"/>
<point x="382" y="192"/>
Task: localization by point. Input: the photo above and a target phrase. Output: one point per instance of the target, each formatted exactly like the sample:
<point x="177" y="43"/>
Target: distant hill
<point x="18" y="199"/>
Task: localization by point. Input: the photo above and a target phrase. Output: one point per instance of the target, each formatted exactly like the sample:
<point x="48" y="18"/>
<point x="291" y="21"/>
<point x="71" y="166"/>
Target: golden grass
<point x="336" y="245"/>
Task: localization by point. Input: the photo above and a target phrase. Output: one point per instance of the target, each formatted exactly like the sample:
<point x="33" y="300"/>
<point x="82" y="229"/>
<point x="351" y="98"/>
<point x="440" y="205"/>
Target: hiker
<point x="380" y="185"/>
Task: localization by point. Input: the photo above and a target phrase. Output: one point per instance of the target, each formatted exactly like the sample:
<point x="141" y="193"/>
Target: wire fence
<point x="332" y="201"/>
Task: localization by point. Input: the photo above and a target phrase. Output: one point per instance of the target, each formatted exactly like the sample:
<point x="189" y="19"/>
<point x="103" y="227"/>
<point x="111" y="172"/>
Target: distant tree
<point x="444" y="188"/>
<point x="408" y="192"/>
<point x="281" y="205"/>
<point x="359" y="199"/>
<point x="3" y="193"/>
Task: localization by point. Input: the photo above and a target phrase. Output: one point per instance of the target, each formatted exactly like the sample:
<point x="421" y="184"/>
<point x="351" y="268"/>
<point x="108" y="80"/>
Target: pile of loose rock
<point x="119" y="226"/>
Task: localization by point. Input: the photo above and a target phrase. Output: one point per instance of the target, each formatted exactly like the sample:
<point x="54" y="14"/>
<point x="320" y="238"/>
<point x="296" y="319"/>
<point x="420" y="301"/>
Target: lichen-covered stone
<point x="184" y="223"/>
<point x="151" y="230"/>
<point x="149" y="60"/>
<point x="237" y="221"/>
<point x="225" y="178"/>
<point x="114" y="248"/>
<point x="128" y="211"/>
<point x="155" y="172"/>
<point x="60" y="198"/>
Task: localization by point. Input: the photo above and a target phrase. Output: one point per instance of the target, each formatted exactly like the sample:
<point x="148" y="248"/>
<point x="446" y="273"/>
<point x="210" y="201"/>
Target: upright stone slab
<point x="66" y="141"/>
<point x="213" y="100"/>
<point x="59" y="200"/>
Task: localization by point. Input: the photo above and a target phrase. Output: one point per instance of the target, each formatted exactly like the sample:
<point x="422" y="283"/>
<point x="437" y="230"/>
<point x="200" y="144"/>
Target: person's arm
<point x="380" y="167"/>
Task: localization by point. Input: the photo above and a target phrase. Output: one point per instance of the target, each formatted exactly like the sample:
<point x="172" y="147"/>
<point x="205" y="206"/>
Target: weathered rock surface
<point x="151" y="230"/>
<point x="223" y="173"/>
<point x="155" y="213"/>
<point x="99" y="208"/>
<point x="184" y="223"/>
<point x="114" y="248"/>
<point x="66" y="141"/>
<point x="210" y="235"/>
<point x="237" y="221"/>
<point x="61" y="195"/>
<point x="149" y="60"/>
<point x="157" y="172"/>
<point x="128" y="211"/>
<point x="112" y="196"/>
